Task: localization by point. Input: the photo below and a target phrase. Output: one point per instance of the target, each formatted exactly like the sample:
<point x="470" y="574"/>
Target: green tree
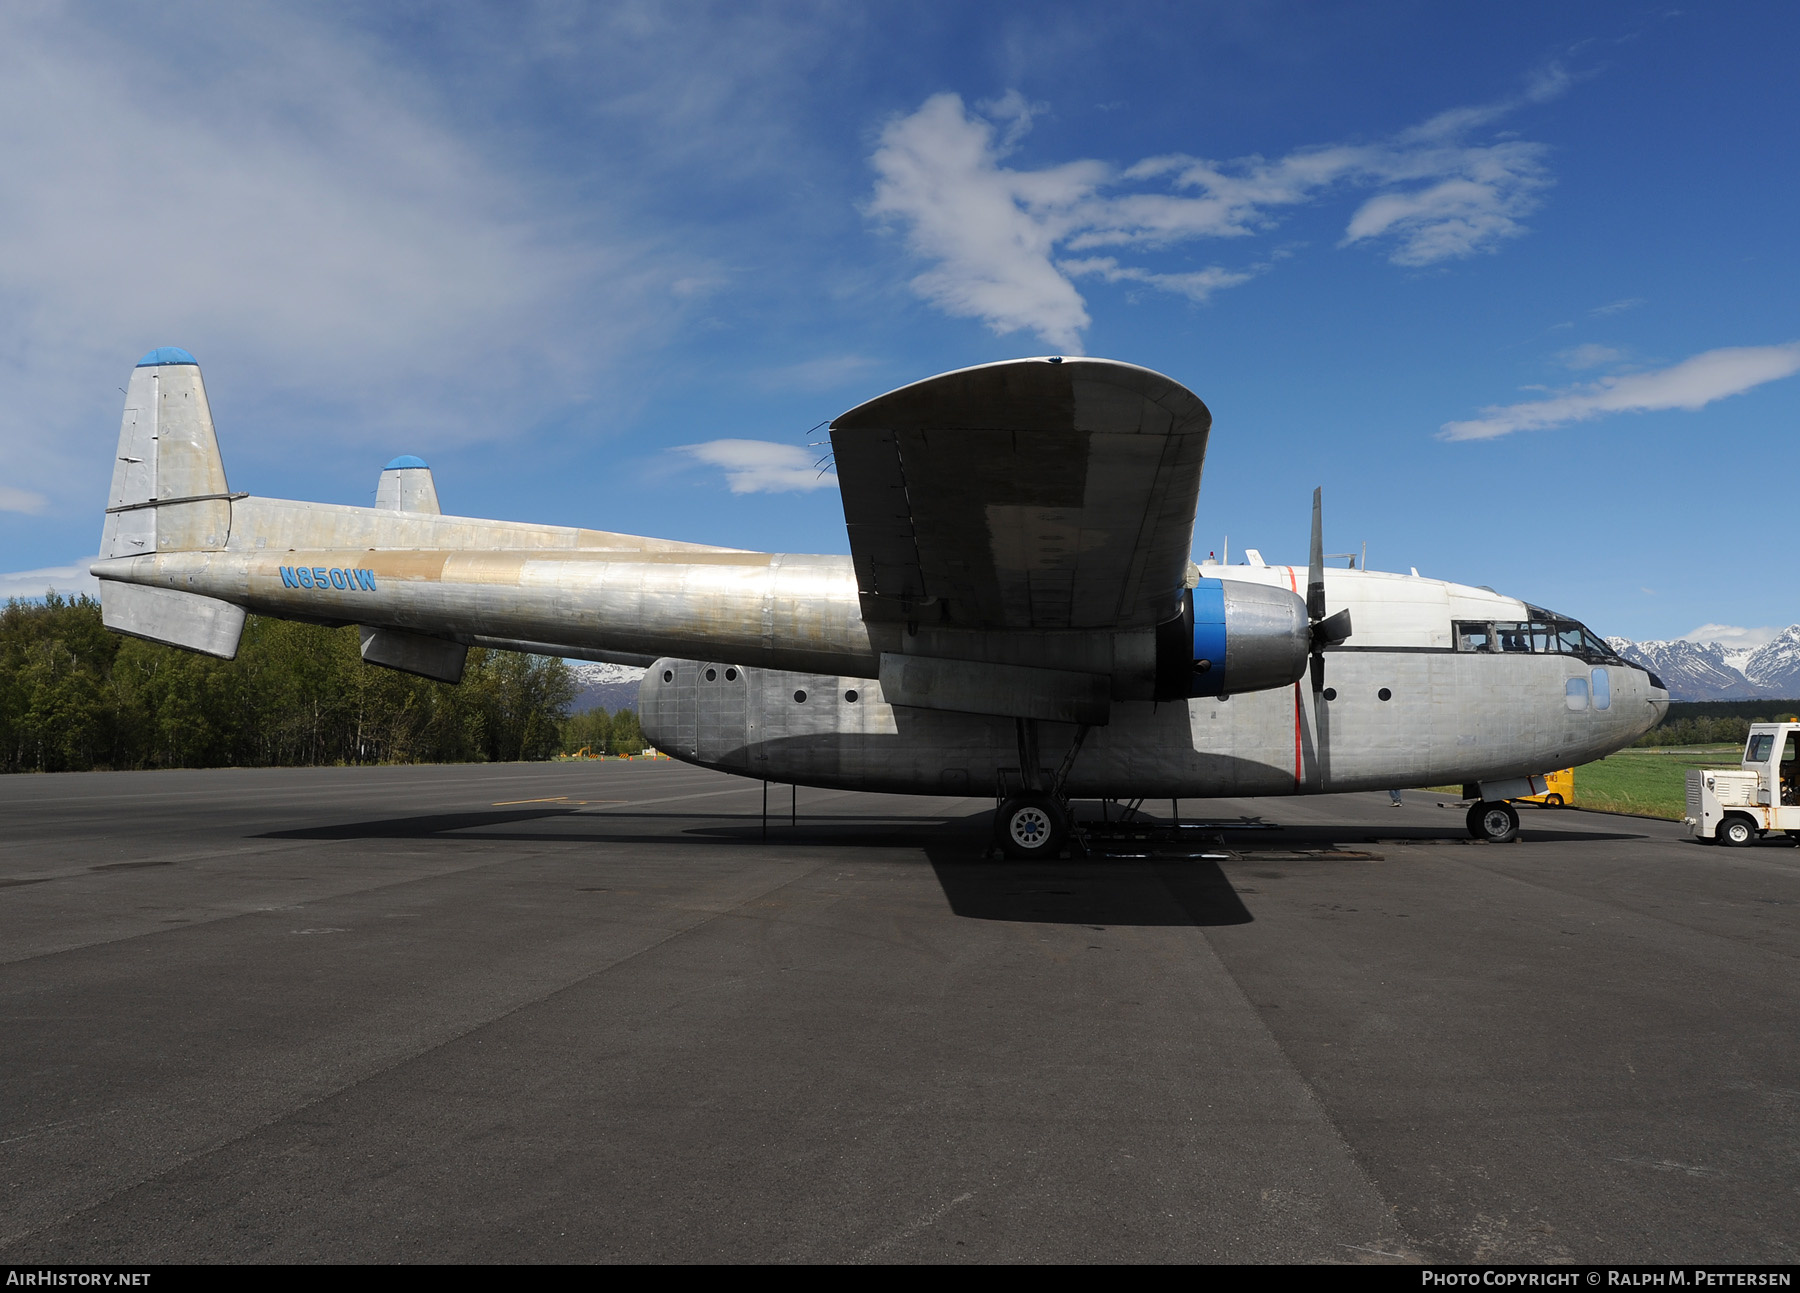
<point x="627" y="733"/>
<point x="590" y="730"/>
<point x="523" y="700"/>
<point x="75" y="696"/>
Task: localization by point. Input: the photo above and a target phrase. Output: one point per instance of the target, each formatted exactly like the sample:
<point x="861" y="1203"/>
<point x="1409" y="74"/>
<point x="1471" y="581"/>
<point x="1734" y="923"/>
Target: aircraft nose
<point x="1658" y="697"/>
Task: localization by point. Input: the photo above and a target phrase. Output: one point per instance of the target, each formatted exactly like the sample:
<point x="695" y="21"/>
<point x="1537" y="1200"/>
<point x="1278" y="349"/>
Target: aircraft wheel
<point x="1495" y="822"/>
<point x="1031" y="826"/>
<point x="1736" y="832"/>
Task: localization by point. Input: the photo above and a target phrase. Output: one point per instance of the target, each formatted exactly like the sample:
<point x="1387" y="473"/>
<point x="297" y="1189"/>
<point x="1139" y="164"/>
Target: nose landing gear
<point x="1496" y="822"/>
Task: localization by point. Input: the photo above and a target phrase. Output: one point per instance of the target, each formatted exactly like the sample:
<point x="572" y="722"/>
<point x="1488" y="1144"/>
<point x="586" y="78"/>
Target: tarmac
<point x="585" y="1012"/>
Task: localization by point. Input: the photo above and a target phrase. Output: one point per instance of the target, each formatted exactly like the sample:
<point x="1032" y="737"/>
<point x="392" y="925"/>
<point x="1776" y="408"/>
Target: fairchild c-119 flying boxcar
<point x="1018" y="615"/>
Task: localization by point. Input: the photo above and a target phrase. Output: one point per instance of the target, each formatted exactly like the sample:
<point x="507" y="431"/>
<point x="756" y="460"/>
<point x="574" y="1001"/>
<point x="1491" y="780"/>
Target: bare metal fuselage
<point x="772" y="628"/>
<point x="1450" y="719"/>
<point x="1404" y="707"/>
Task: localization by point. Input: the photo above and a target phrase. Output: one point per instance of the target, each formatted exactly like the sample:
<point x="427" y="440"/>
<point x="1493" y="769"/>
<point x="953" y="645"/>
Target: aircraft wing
<point x="1033" y="494"/>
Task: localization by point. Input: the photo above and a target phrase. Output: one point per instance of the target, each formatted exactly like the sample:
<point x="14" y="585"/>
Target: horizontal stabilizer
<point x="428" y="657"/>
<point x="185" y="620"/>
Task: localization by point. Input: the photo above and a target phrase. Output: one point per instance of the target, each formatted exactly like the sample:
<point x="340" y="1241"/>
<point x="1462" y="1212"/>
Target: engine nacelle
<point x="1232" y="637"/>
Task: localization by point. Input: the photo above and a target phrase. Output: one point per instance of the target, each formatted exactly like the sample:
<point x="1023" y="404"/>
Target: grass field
<point x="1651" y="781"/>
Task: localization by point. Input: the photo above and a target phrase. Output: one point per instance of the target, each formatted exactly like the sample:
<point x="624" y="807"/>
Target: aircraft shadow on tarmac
<point x="1154" y="891"/>
<point x="732" y="829"/>
<point x="422" y="827"/>
<point x="844" y="831"/>
<point x="1099" y="893"/>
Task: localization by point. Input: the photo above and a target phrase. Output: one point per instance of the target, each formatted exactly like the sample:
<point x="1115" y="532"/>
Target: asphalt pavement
<point x="586" y="1012"/>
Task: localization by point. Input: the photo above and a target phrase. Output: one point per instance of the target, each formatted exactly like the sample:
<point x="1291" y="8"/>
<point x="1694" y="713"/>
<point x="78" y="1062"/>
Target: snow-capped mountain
<point x="1712" y="671"/>
<point x="1690" y="670"/>
<point x="1776" y="667"/>
<point x="605" y="686"/>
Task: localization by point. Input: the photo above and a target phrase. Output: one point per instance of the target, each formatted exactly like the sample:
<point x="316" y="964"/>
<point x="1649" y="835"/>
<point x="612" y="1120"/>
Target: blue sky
<point x="1516" y="283"/>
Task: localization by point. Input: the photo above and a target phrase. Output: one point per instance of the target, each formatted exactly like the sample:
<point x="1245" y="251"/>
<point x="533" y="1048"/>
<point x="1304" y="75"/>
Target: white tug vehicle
<point x="1738" y="805"/>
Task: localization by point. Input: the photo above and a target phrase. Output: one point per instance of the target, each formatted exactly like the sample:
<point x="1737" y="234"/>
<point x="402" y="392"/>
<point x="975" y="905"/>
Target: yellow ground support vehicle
<point x="1559" y="789"/>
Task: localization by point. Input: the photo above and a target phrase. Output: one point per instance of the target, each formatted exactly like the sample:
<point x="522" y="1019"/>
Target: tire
<point x="1736" y="832"/>
<point x="1553" y="801"/>
<point x="1031" y="826"/>
<point x="1496" y="822"/>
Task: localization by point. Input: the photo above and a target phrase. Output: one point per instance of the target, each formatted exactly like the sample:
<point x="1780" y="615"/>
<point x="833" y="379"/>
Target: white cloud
<point x="1691" y="384"/>
<point x="29" y="585"/>
<point x="995" y="234"/>
<point x="1460" y="216"/>
<point x="1197" y="285"/>
<point x="990" y="230"/>
<point x="1618" y="307"/>
<point x="763" y="466"/>
<point x="1730" y="635"/>
<point x="21" y="500"/>
<point x="273" y="194"/>
<point x="1589" y="356"/>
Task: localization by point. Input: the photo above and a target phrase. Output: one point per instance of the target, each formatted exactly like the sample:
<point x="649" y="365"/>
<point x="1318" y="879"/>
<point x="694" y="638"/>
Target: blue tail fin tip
<point x="404" y="461"/>
<point x="166" y="355"/>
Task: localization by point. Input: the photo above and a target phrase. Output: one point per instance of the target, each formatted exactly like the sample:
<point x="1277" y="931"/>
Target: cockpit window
<point x="1513" y="637"/>
<point x="1564" y="636"/>
<point x="1473" y="635"/>
<point x="1758" y="749"/>
<point x="1545" y="633"/>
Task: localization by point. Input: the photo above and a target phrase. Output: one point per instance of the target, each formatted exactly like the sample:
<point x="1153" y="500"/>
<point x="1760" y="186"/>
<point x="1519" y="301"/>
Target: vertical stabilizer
<point x="168" y="487"/>
<point x="406" y="486"/>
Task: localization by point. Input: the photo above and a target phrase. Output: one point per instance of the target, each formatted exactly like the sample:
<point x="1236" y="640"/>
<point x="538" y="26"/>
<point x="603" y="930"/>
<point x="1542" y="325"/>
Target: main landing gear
<point x="1496" y="822"/>
<point x="1035" y="822"/>
<point x="1032" y="826"/>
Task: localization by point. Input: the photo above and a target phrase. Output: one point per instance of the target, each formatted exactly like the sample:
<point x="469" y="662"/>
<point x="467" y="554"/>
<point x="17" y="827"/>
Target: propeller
<point x="1327" y="631"/>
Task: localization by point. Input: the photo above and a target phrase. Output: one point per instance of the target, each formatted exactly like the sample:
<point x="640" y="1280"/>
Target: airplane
<point x="1018" y="616"/>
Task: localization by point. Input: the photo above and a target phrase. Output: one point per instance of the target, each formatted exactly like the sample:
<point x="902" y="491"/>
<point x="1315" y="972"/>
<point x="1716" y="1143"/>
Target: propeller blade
<point x="1318" y="676"/>
<point x="1332" y="630"/>
<point x="1315" y="571"/>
